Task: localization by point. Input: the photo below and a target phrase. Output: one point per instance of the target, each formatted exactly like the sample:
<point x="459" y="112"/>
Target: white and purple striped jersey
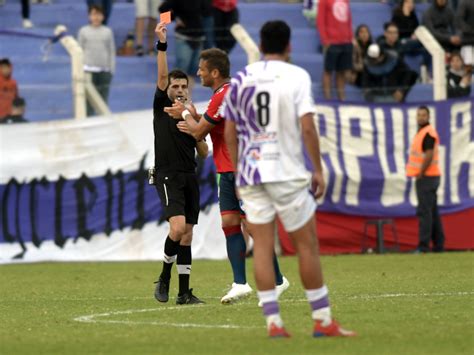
<point x="266" y="101"/>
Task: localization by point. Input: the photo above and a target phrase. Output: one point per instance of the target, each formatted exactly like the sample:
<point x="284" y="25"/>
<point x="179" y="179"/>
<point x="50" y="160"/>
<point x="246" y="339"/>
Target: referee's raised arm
<point x="161" y="62"/>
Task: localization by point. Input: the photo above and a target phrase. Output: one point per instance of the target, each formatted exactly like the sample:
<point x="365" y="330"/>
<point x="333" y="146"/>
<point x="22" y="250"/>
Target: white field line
<point x="98" y="317"/>
<point x="93" y="318"/>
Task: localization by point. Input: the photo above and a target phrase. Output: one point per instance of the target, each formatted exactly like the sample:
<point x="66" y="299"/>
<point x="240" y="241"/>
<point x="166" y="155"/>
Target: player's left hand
<point x="176" y="110"/>
<point x="318" y="185"/>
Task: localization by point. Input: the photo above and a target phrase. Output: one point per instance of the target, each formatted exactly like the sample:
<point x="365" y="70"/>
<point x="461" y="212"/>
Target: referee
<point x="175" y="176"/>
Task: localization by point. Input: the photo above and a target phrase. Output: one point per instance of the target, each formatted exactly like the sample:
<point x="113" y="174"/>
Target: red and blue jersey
<point x="214" y="115"/>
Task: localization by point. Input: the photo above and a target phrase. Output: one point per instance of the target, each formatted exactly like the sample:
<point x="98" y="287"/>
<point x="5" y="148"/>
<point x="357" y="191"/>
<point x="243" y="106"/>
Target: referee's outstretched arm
<point x="161" y="61"/>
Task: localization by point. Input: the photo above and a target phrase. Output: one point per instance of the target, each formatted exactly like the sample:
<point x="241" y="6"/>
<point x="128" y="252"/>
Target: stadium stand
<point x="45" y="84"/>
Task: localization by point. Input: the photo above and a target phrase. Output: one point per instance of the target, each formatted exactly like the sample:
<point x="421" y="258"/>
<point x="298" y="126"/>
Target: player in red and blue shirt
<point x="214" y="71"/>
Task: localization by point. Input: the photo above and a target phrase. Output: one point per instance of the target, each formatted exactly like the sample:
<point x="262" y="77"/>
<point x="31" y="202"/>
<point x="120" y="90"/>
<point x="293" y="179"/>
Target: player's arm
<point x="311" y="142"/>
<point x="230" y="135"/>
<point x="202" y="148"/>
<point x="198" y="128"/>
<point x="161" y="60"/>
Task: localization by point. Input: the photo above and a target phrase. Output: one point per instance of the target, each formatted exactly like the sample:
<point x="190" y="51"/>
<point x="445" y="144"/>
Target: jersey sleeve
<point x="304" y="98"/>
<point x="213" y="114"/>
<point x="230" y="103"/>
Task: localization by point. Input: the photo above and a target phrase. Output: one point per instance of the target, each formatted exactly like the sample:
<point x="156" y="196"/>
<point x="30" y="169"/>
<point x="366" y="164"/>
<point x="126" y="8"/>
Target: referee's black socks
<point x="171" y="249"/>
<point x="183" y="263"/>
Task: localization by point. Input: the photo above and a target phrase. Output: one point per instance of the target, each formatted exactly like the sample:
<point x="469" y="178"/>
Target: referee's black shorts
<point x="179" y="194"/>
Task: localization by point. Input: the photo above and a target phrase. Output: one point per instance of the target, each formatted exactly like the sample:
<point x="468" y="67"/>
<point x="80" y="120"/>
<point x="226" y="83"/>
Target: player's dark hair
<point x="217" y="59"/>
<point x="423" y="107"/>
<point x="97" y="8"/>
<point x="274" y="37"/>
<point x="5" y="61"/>
<point x="177" y="74"/>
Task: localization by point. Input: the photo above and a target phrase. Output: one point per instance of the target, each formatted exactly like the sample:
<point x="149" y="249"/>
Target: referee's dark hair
<point x="274" y="37"/>
<point x="423" y="107"/>
<point x="177" y="74"/>
<point x="217" y="59"/>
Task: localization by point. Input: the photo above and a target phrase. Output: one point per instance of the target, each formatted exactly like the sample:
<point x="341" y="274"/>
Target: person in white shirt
<point x="270" y="114"/>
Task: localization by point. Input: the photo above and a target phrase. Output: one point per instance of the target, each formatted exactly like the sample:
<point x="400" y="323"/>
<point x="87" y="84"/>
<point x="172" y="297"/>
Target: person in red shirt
<point x="225" y="14"/>
<point x="8" y="87"/>
<point x="334" y="23"/>
<point x="214" y="71"/>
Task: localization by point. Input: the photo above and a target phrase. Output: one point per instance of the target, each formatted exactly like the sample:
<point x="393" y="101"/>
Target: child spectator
<point x="106" y="6"/>
<point x="361" y="42"/>
<point x="458" y="80"/>
<point x="386" y="78"/>
<point x="17" y="112"/>
<point x="8" y="87"/>
<point x="334" y="23"/>
<point x="97" y="42"/>
<point x="465" y="25"/>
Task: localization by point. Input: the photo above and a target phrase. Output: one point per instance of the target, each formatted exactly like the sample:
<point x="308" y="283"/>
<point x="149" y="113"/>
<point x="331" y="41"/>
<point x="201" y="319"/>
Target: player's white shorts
<point x="467" y="54"/>
<point x="147" y="8"/>
<point x="291" y="200"/>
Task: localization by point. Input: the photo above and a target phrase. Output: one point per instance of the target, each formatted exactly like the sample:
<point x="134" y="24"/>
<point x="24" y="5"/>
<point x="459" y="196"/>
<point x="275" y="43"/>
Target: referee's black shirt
<point x="174" y="150"/>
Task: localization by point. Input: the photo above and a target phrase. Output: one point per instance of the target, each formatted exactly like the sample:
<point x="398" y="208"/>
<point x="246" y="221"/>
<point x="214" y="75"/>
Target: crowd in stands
<point x="376" y="65"/>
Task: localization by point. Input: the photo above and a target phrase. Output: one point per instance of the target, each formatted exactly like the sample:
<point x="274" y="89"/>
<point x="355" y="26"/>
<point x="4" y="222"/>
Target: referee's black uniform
<point x="175" y="164"/>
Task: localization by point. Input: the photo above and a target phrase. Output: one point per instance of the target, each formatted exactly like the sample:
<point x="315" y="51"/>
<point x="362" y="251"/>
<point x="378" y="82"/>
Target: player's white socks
<point x="319" y="302"/>
<point x="270" y="307"/>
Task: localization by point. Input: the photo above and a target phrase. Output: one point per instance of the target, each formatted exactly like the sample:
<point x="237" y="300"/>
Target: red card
<point x="165" y="17"/>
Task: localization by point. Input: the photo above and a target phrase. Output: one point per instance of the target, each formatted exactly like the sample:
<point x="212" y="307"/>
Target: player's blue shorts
<point x="228" y="201"/>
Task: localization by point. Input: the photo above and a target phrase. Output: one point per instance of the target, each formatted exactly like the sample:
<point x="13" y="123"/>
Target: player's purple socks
<point x="236" y="249"/>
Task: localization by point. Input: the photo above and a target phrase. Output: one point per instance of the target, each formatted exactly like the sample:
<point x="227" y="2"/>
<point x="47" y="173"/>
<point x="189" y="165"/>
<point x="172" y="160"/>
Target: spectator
<point x="25" y="14"/>
<point x="458" y="80"/>
<point x="8" y="87"/>
<point x="17" y="112"/>
<point x="404" y="17"/>
<point x="208" y="26"/>
<point x="439" y="19"/>
<point x="386" y="78"/>
<point x="361" y="42"/>
<point x="145" y="9"/>
<point x="106" y="6"/>
<point x="465" y="25"/>
<point x="189" y="32"/>
<point x="389" y="41"/>
<point x="226" y="14"/>
<point x="97" y="42"/>
<point x="334" y="22"/>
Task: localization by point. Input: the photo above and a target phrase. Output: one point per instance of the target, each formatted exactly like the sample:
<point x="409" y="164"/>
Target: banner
<point x="78" y="190"/>
<point x="365" y="149"/>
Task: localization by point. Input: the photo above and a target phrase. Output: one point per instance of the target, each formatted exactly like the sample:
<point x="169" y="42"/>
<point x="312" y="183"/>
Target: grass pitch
<point x="399" y="304"/>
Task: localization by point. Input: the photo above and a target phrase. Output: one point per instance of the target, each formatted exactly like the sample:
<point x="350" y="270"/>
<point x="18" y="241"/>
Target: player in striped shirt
<point x="270" y="114"/>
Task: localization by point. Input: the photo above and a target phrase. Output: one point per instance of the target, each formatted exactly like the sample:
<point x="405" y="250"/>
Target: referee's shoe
<point x="188" y="298"/>
<point x="162" y="290"/>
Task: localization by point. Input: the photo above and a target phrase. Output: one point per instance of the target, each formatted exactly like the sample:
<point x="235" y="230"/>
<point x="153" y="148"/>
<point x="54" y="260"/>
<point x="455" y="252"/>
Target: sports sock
<point x="183" y="263"/>
<point x="278" y="275"/>
<point x="319" y="302"/>
<point x="270" y="307"/>
<point x="236" y="248"/>
<point x="171" y="249"/>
